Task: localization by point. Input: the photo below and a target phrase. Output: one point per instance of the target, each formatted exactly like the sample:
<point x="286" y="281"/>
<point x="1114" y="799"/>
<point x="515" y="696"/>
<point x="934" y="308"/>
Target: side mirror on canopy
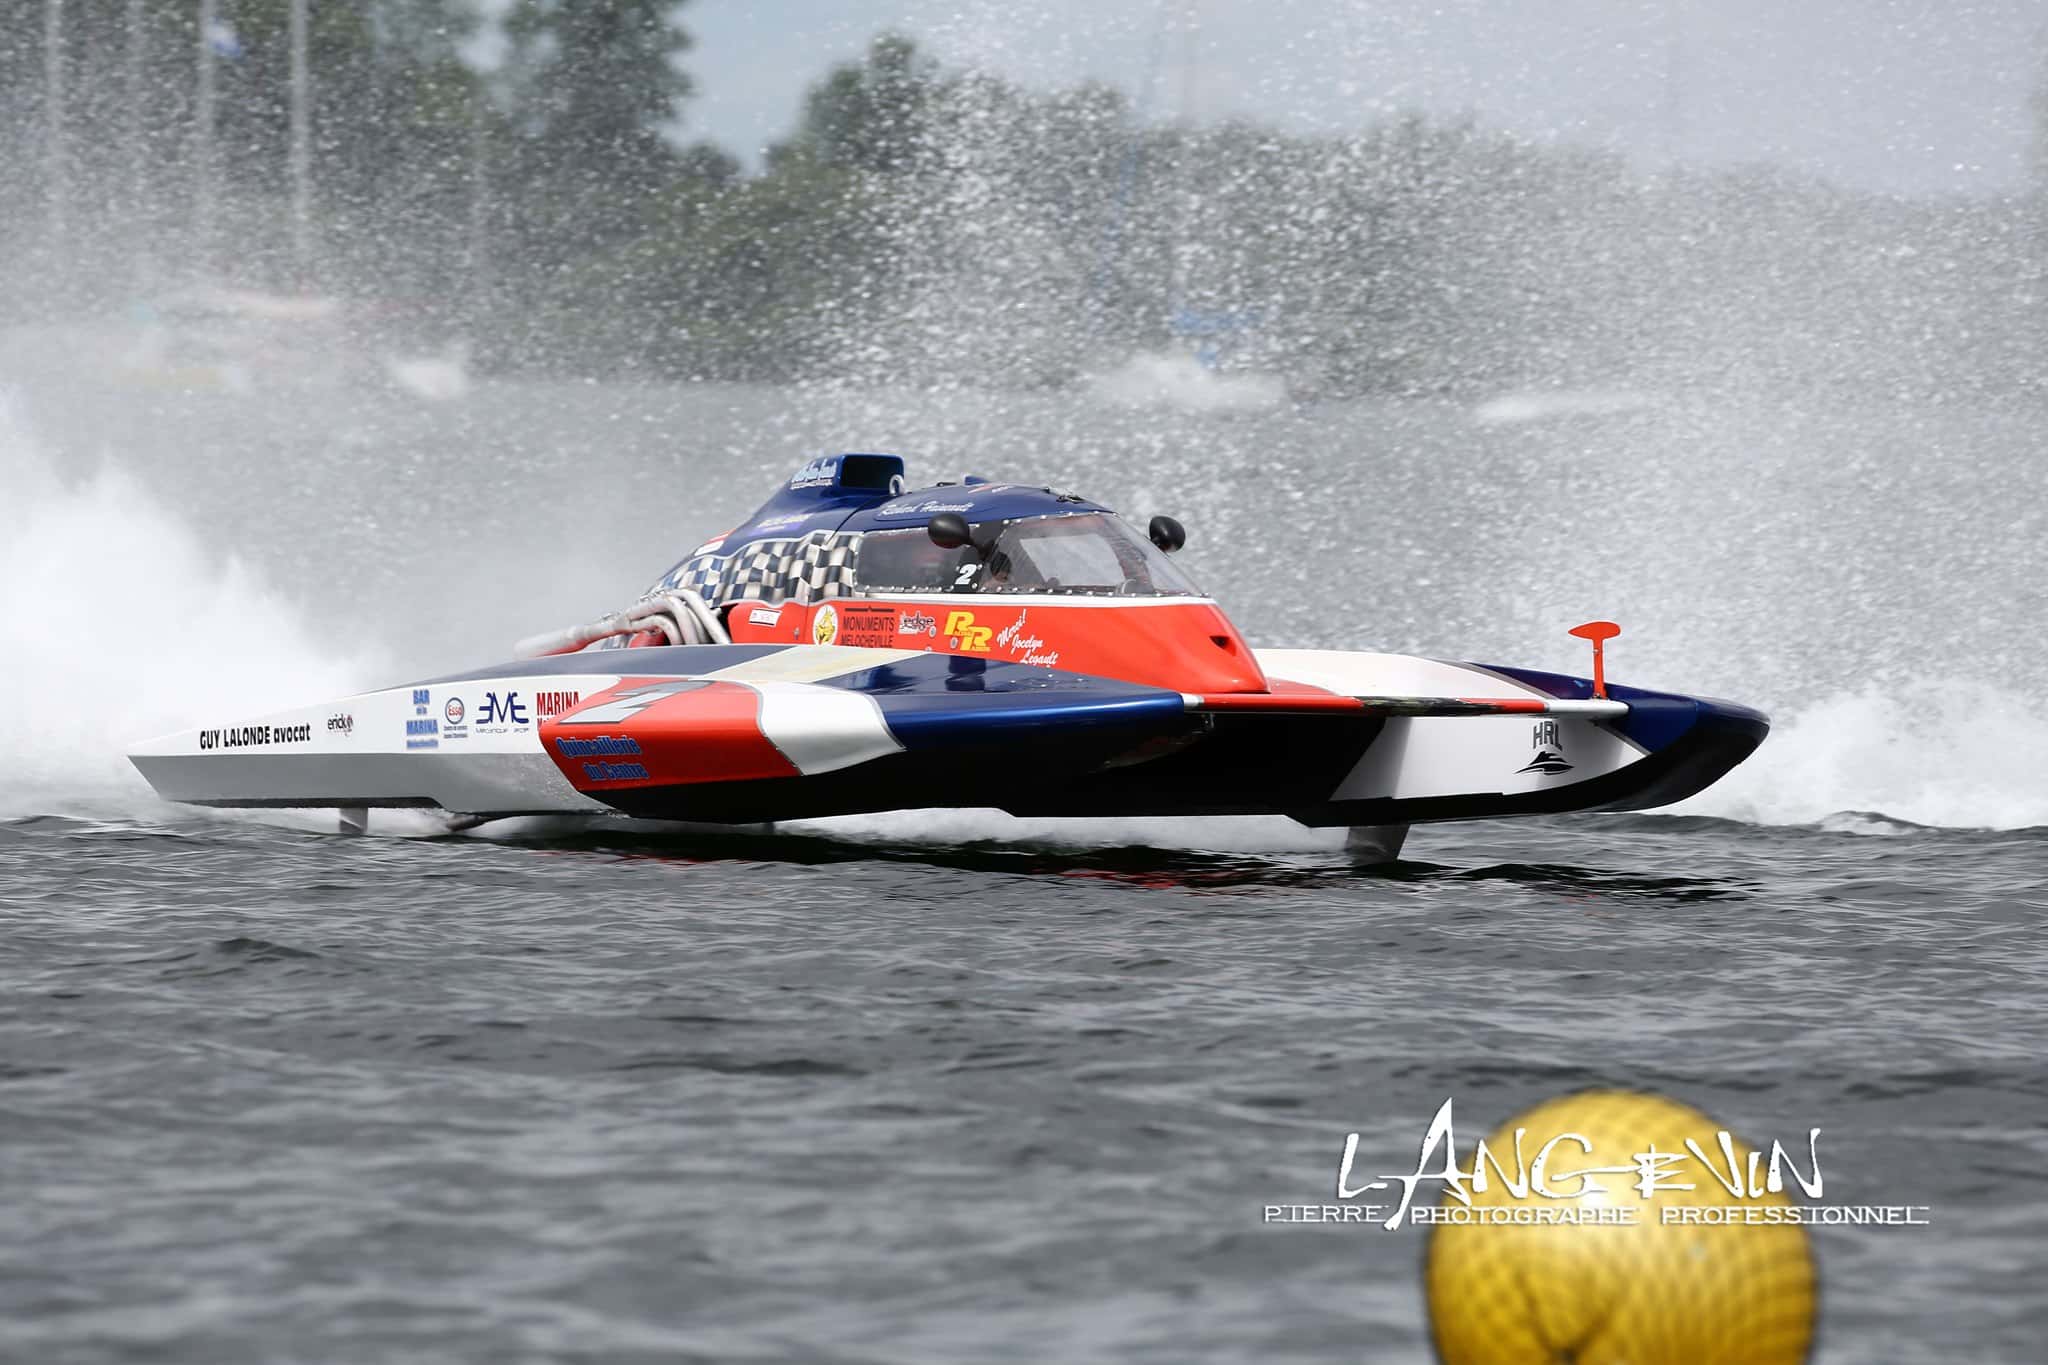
<point x="949" y="530"/>
<point x="1168" y="534"/>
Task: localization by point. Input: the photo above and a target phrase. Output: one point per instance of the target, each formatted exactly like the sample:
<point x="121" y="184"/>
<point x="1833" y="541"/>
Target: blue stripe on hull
<point x="934" y="700"/>
<point x="936" y="722"/>
<point x="1655" y="720"/>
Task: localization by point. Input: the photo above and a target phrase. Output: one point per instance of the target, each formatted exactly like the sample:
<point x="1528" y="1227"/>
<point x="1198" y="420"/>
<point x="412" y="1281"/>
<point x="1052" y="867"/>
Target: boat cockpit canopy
<point x="1080" y="553"/>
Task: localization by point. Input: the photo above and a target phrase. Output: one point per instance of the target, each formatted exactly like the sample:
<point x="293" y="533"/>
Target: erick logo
<point x="965" y="634"/>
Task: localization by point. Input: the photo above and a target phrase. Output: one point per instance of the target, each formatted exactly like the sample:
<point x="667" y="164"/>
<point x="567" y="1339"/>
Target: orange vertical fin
<point x="1599" y="632"/>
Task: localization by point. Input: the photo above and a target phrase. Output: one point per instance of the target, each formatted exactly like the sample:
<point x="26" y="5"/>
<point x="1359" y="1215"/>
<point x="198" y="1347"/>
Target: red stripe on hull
<point x="1279" y="701"/>
<point x="710" y="732"/>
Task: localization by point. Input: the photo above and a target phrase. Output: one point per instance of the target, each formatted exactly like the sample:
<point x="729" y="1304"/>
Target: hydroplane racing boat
<point x="855" y="647"/>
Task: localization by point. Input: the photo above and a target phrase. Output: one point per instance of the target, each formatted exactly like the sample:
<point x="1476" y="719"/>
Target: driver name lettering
<point x="1029" y="649"/>
<point x="1007" y="636"/>
<point x="905" y="509"/>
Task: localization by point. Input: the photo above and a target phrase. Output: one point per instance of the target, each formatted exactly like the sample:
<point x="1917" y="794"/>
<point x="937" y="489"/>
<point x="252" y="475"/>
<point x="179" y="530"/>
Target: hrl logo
<point x="1547" y="739"/>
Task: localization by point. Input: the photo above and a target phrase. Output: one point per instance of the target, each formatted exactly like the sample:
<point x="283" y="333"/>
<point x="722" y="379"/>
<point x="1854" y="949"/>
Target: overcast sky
<point x="1913" y="96"/>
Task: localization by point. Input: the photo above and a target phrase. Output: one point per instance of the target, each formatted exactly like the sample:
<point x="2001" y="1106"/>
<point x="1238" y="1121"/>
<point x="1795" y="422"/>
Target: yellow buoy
<point x="1727" y="1289"/>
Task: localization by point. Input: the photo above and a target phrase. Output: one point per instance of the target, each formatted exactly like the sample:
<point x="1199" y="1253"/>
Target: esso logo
<point x="453" y="711"/>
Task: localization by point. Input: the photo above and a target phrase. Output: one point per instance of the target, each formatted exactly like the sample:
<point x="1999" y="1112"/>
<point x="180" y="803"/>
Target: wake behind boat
<point x="855" y="648"/>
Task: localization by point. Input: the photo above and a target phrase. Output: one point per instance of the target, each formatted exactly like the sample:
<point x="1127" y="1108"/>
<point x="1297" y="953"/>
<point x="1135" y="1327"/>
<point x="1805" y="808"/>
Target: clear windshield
<point x="1087" y="552"/>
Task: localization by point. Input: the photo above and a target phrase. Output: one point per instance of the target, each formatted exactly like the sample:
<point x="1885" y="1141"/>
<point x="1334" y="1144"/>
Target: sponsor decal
<point x="615" y="772"/>
<point x="547" y="705"/>
<point x="499" y="715"/>
<point x="822" y="472"/>
<point x="341" y="724"/>
<point x="765" y="616"/>
<point x="709" y="546"/>
<point x="925" y="508"/>
<point x="254" y="736"/>
<point x="783" y="522"/>
<point x="1551" y="1177"/>
<point x="422" y="731"/>
<point x="917" y="623"/>
<point x="962" y="633"/>
<point x="867" y="627"/>
<point x="1026" y="649"/>
<point x="603" y="746"/>
<point x="825" y="625"/>
<point x="452" y="710"/>
<point x="1548" y="742"/>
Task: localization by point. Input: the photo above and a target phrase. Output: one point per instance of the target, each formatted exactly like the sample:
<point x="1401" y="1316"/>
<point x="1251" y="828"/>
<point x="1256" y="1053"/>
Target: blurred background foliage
<point x="934" y="225"/>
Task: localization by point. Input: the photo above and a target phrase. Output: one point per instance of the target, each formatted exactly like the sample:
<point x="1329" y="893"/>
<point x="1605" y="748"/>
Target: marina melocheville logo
<point x="1552" y="1178"/>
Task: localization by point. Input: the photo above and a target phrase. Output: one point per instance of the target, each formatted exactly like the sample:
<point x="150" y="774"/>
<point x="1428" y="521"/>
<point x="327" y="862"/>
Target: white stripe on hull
<point x="823" y="729"/>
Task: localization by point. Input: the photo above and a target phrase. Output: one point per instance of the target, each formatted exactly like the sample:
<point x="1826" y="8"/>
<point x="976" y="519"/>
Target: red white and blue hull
<point x="754" y="732"/>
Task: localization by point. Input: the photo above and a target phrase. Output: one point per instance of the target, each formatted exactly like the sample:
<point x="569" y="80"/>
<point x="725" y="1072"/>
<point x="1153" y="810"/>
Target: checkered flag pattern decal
<point x="810" y="569"/>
